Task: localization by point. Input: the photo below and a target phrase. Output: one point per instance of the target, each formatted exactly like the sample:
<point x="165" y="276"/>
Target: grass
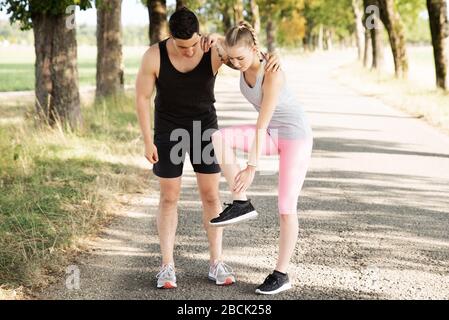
<point x="11" y="294"/>
<point x="58" y="187"/>
<point x="17" y="66"/>
<point x="16" y="76"/>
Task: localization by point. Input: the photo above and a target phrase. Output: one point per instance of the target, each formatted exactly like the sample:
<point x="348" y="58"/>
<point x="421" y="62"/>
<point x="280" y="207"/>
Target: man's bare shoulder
<point x="151" y="58"/>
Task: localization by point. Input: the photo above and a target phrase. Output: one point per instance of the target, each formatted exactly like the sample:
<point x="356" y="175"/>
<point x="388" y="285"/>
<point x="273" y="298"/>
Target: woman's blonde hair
<point x="243" y="33"/>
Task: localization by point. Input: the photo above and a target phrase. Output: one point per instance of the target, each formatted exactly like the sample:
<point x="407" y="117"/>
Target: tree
<point x="310" y="25"/>
<point x="238" y="11"/>
<point x="327" y="20"/>
<point x="157" y="11"/>
<point x="272" y="13"/>
<point x="439" y="26"/>
<point x="225" y="7"/>
<point x="360" y="33"/>
<point x="110" y="74"/>
<point x="56" y="70"/>
<point x="377" y="44"/>
<point x="291" y="29"/>
<point x="367" y="52"/>
<point x="395" y="28"/>
<point x="373" y="23"/>
<point x="255" y="16"/>
<point x="271" y="39"/>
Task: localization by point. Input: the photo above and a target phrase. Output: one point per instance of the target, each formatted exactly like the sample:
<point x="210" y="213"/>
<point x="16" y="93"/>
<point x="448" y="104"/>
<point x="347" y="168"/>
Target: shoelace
<point x="271" y="280"/>
<point x="226" y="268"/>
<point x="228" y="205"/>
<point x="167" y="271"/>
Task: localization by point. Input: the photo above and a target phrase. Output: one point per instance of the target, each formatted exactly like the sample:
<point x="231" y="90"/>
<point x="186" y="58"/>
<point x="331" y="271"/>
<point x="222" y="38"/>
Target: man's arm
<point x="145" y="83"/>
<point x="221" y="52"/>
<point x="217" y="43"/>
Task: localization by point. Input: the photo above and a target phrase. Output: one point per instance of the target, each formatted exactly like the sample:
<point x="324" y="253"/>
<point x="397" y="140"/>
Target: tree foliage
<point x="22" y="10"/>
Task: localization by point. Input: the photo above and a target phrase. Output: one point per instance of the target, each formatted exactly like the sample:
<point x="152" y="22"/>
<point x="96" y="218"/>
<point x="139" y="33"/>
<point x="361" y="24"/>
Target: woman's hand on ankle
<point x="244" y="179"/>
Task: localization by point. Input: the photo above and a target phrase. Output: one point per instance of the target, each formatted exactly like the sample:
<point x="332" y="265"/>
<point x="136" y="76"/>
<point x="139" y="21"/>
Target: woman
<point x="281" y="128"/>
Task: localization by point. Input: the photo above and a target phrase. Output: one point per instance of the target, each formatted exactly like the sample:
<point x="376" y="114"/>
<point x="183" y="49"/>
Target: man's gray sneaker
<point x="222" y="274"/>
<point x="166" y="278"/>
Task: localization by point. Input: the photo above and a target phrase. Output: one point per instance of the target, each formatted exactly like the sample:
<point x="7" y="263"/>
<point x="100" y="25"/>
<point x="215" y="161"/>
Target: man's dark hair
<point x="183" y="24"/>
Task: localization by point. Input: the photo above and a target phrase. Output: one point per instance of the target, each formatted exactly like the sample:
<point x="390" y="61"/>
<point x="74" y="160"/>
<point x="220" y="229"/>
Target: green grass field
<point x="17" y="66"/>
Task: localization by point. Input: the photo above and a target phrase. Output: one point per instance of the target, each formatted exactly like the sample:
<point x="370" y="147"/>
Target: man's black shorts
<point x="171" y="161"/>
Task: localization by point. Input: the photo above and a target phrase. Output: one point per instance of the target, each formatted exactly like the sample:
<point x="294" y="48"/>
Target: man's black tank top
<point x="184" y="97"/>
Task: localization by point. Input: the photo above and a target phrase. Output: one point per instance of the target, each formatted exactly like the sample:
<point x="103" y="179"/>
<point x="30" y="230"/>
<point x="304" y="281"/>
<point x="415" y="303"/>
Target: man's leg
<point x="208" y="185"/>
<point x="167" y="218"/>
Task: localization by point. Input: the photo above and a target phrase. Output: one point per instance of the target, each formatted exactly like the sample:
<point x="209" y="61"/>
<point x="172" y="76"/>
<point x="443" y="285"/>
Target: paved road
<point x="374" y="211"/>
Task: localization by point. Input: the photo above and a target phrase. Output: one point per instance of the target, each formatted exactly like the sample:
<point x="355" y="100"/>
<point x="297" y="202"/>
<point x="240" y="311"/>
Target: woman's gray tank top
<point x="289" y="120"/>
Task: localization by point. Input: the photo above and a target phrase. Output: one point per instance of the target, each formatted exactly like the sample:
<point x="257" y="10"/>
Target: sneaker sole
<point x="249" y="215"/>
<point x="167" y="285"/>
<point x="285" y="287"/>
<point x="228" y="281"/>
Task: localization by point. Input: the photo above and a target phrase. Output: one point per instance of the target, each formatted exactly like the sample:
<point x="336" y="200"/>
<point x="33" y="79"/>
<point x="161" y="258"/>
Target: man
<point x="184" y="76"/>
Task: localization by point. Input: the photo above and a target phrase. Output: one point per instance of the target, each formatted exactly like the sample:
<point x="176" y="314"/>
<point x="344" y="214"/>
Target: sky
<point x="133" y="13"/>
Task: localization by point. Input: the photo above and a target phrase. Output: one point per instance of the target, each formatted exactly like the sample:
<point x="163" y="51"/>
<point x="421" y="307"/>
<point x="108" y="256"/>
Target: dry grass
<point x="11" y="294"/>
<point x="59" y="187"/>
<point x="430" y="104"/>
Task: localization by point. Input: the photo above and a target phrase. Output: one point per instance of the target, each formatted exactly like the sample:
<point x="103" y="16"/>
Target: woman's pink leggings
<point x="294" y="159"/>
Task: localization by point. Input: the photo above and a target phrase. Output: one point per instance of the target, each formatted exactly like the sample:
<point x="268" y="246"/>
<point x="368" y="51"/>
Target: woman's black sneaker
<point x="274" y="283"/>
<point x="236" y="212"/>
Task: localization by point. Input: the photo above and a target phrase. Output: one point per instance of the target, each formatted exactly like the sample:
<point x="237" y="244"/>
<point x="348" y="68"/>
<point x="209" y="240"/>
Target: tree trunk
<point x="255" y="21"/>
<point x="308" y="38"/>
<point x="321" y="38"/>
<point x="329" y="36"/>
<point x="110" y="75"/>
<point x="374" y="26"/>
<point x="314" y="42"/>
<point x="157" y="10"/>
<point x="439" y="28"/>
<point x="377" y="46"/>
<point x="238" y="11"/>
<point x="360" y="37"/>
<point x="56" y="85"/>
<point x="43" y="28"/>
<point x="227" y="21"/>
<point x="179" y="4"/>
<point x="367" y="54"/>
<point x="270" y="36"/>
<point x="395" y="28"/>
